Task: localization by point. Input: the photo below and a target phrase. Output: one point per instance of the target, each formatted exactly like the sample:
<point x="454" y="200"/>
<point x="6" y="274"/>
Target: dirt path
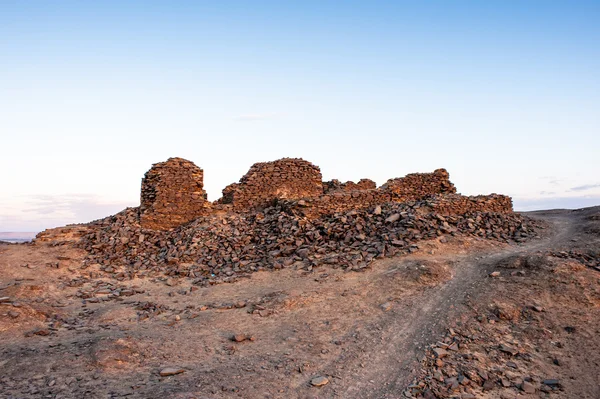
<point x="420" y="321"/>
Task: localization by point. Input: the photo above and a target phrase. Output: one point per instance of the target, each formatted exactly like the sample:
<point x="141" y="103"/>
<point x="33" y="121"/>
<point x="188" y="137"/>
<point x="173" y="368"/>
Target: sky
<point x="503" y="94"/>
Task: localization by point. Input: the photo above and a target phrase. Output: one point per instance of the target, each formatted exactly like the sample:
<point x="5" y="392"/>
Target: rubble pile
<point x="453" y="368"/>
<point x="172" y="194"/>
<point x="590" y="258"/>
<point x="219" y="248"/>
<point x="419" y="185"/>
<point x="265" y="181"/>
<point x="62" y="235"/>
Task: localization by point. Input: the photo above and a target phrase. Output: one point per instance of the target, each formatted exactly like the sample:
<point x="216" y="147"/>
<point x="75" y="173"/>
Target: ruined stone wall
<point x="443" y="204"/>
<point x="287" y="178"/>
<point x="419" y="185"/>
<point x="336" y="185"/>
<point x="337" y="202"/>
<point x="172" y="194"/>
<point x="455" y="204"/>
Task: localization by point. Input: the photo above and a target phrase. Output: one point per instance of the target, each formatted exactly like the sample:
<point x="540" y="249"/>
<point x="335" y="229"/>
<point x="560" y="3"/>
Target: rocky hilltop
<point x="281" y="214"/>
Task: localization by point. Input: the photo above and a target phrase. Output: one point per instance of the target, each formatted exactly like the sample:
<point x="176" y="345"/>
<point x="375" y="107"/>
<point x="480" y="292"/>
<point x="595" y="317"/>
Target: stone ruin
<point x="336" y="185"/>
<point x="287" y="178"/>
<point x="419" y="185"/>
<point x="172" y="194"/>
<point x="281" y="215"/>
<point x="456" y="204"/>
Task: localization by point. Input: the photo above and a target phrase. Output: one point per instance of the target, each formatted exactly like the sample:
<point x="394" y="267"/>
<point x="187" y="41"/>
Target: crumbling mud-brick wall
<point x="172" y="194"/>
<point x="336" y="185"/>
<point x="287" y="178"/>
<point x="419" y="185"/>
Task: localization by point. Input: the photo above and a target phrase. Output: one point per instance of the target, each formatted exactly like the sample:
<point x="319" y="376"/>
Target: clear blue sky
<point x="504" y="94"/>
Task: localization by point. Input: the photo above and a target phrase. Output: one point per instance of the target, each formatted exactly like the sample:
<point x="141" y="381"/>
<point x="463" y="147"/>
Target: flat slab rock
<point x="319" y="381"/>
<point x="168" y="371"/>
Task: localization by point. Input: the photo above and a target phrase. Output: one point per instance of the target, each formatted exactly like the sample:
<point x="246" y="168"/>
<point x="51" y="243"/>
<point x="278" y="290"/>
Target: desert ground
<point x="460" y="317"/>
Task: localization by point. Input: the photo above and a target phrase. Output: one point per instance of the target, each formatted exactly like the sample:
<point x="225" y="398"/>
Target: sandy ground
<point x="369" y="334"/>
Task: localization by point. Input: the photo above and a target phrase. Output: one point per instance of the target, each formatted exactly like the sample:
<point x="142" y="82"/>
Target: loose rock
<point x="171" y="371"/>
<point x="319" y="381"/>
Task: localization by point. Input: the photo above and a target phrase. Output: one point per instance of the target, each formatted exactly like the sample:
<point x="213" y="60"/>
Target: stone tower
<point x="172" y="194"/>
